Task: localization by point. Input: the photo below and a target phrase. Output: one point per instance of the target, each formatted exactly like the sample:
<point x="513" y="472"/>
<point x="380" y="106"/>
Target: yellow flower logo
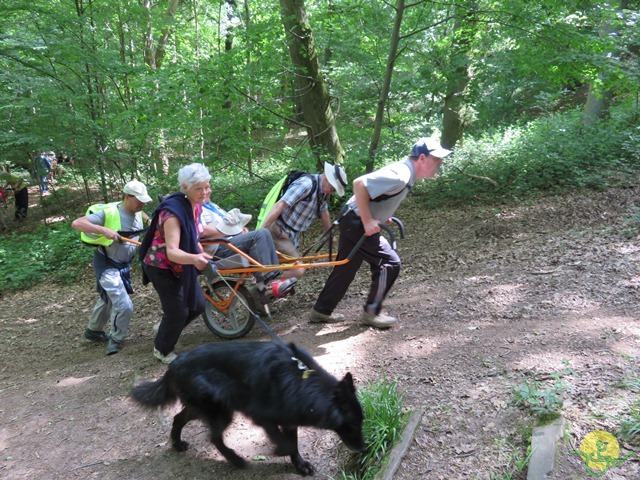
<point x="600" y="450"/>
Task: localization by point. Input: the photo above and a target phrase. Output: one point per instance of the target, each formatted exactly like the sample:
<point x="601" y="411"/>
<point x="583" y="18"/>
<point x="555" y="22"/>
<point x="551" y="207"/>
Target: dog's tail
<point x="154" y="394"/>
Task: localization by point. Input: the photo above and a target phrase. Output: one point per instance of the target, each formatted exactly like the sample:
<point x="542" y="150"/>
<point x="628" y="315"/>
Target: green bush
<point x="52" y="253"/>
<point x="548" y="155"/>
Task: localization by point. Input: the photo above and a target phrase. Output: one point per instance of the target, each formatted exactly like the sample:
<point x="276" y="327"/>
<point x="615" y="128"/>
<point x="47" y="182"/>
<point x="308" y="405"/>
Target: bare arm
<point x="175" y="254"/>
<point x="83" y="224"/>
<point x="209" y="231"/>
<point x="325" y="219"/>
<point x="274" y="213"/>
<point x="371" y="225"/>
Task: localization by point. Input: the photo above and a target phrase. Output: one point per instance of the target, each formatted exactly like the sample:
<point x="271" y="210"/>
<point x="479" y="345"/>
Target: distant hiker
<point x="112" y="261"/>
<point x="20" y="192"/>
<point x="303" y="201"/>
<point x="42" y="167"/>
<point x="376" y="197"/>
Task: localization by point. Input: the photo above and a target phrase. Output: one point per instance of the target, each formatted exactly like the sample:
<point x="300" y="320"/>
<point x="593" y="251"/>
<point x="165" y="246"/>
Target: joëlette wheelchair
<point x="228" y="284"/>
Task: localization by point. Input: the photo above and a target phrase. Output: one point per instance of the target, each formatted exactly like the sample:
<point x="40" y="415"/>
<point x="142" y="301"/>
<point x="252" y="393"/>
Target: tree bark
<point x="597" y="103"/>
<point x="154" y="51"/>
<point x="312" y="93"/>
<point x="458" y="77"/>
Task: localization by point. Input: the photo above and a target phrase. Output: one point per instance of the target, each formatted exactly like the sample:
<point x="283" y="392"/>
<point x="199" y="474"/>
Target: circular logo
<point x="600" y="448"/>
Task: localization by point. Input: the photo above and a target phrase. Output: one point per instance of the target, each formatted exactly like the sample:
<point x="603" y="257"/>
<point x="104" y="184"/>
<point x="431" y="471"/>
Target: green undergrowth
<point x="542" y="395"/>
<point x="384" y="420"/>
<point x="44" y="254"/>
<point x="549" y="155"/>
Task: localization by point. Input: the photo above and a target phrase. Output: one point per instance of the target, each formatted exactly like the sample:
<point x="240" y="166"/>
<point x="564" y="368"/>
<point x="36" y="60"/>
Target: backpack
<point x="280" y="188"/>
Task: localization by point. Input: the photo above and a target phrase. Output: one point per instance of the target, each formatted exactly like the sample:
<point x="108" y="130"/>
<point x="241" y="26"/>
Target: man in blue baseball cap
<point x="377" y="195"/>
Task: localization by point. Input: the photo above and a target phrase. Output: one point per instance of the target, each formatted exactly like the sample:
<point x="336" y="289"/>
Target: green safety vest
<point x="111" y="220"/>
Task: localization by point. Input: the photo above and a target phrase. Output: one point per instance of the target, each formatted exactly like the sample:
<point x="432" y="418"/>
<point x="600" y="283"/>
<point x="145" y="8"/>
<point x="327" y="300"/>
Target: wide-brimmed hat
<point x="336" y="176"/>
<point x="233" y="222"/>
<point x="429" y="146"/>
<point x="138" y="190"/>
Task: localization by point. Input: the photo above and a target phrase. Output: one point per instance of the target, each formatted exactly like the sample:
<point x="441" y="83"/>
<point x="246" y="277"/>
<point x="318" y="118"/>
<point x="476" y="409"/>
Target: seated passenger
<point x="257" y="244"/>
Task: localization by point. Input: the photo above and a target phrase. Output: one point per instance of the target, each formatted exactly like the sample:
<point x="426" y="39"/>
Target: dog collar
<point x="306" y="371"/>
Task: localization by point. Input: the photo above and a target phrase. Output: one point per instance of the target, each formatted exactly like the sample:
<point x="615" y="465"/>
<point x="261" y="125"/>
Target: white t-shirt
<point x="387" y="180"/>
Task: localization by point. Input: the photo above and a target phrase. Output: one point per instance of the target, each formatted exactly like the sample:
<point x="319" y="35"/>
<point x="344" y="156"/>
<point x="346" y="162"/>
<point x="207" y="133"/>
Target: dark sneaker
<point x="379" y="321"/>
<point x="317" y="317"/>
<point x="113" y="346"/>
<point x="96" y="336"/>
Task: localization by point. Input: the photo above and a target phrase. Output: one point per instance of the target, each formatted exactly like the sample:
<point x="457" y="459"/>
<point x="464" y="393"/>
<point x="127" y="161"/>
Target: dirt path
<point x="489" y="297"/>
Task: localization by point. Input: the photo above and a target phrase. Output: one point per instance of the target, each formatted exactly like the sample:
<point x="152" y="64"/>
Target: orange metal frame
<point x="244" y="273"/>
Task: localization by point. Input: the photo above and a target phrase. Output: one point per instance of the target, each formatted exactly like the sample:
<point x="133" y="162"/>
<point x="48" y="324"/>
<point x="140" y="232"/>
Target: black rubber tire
<point x="238" y="321"/>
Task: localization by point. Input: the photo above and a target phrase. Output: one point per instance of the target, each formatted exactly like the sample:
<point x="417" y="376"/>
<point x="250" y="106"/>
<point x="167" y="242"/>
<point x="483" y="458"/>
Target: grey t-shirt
<point x="387" y="180"/>
<point x="121" y="252"/>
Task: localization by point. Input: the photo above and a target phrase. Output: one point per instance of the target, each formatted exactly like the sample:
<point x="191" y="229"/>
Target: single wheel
<point x="238" y="319"/>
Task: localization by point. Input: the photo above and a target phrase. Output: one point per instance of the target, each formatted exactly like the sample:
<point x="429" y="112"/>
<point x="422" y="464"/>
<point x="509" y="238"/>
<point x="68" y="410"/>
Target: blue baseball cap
<point x="429" y="146"/>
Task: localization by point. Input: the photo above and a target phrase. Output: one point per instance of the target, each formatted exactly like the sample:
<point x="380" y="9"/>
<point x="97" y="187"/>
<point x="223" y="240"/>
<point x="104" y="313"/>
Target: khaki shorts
<point x="282" y="241"/>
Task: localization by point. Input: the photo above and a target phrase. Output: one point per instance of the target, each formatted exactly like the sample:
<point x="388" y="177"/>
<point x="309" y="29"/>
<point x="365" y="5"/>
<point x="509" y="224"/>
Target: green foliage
<point x="549" y="155"/>
<point x="630" y="428"/>
<point x="543" y="398"/>
<point x="544" y="403"/>
<point x="45" y="254"/>
<point x="630" y="424"/>
<point x="515" y="463"/>
<point x="383" y="423"/>
<point x="631" y="223"/>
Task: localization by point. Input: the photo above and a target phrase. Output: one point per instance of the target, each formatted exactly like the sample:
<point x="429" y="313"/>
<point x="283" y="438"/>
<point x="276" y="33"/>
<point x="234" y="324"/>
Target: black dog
<point x="279" y="387"/>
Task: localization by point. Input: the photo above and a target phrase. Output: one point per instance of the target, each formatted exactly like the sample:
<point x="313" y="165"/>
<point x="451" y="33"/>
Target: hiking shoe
<point x="96" y="336"/>
<point x="380" y="320"/>
<point x="113" y="347"/>
<point x="279" y="288"/>
<point x="317" y="317"/>
<point x="168" y="358"/>
<point x="156" y="327"/>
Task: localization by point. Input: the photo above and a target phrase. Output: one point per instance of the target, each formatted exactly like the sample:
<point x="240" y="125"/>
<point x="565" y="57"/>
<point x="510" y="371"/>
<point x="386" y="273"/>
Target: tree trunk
<point x="597" y="104"/>
<point x="312" y="93"/>
<point x="386" y="86"/>
<point x="230" y="8"/>
<point x="457" y="77"/>
<point x="154" y="51"/>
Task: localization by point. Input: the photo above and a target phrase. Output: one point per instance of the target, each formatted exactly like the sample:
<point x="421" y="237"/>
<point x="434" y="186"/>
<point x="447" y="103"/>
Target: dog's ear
<point x="347" y="381"/>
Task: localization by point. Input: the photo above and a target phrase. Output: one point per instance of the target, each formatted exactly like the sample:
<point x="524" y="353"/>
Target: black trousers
<point x="383" y="260"/>
<point x="175" y="314"/>
<point x="22" y="203"/>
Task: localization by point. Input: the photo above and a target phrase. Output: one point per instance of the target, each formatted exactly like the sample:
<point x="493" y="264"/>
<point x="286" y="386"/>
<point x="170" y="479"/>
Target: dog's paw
<point x="285" y="449"/>
<point x="180" y="446"/>
<point x="302" y="466"/>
